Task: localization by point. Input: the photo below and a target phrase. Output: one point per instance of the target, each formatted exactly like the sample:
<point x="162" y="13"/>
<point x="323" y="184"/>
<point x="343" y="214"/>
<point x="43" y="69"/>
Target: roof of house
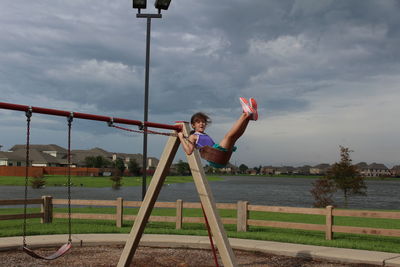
<point x="362" y="165"/>
<point x="11" y="155"/>
<point x="35" y="157"/>
<point x="50" y="147"/>
<point x="377" y="166"/>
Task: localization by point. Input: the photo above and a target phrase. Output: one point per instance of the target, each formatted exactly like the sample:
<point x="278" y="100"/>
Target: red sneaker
<point x="253" y="105"/>
<point x="245" y="105"/>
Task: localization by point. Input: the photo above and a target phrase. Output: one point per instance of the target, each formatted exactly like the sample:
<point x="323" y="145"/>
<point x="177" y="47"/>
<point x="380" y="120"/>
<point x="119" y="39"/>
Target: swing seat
<point x="60" y="252"/>
<point x="215" y="155"/>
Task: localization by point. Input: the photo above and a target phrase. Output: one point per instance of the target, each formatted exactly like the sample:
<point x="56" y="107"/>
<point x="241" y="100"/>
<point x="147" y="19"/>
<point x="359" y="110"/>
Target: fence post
<point x="119" y="217"/>
<point x="179" y="214"/>
<point x="329" y="223"/>
<point x="242" y="216"/>
<point x="47" y="209"/>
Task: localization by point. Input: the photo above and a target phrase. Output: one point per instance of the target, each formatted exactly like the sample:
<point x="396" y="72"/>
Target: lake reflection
<point x="294" y="192"/>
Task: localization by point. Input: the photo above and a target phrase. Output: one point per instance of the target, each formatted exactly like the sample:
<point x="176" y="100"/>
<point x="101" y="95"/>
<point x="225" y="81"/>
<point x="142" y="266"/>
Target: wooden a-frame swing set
<point x="206" y="198"/>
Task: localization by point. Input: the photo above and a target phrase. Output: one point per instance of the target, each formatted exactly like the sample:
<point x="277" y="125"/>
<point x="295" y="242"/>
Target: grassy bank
<point x="366" y="242"/>
<point x="88" y="181"/>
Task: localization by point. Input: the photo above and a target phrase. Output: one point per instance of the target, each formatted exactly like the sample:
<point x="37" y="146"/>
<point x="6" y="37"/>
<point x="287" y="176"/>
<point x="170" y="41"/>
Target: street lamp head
<point x="162" y="4"/>
<point x="139" y="3"/>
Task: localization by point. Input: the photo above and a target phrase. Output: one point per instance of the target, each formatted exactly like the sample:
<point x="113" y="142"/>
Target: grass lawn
<point x="355" y="241"/>
<point x="88" y="181"/>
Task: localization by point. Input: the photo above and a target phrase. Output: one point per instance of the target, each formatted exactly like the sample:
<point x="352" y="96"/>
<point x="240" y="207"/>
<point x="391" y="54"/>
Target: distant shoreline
<point x="304" y="176"/>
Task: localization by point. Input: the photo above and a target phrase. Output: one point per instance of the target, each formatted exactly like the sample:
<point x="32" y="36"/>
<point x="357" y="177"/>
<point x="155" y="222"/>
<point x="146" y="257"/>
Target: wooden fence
<point x="242" y="219"/>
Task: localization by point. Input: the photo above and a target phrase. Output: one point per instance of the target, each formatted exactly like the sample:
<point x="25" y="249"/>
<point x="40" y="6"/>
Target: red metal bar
<point x="86" y="116"/>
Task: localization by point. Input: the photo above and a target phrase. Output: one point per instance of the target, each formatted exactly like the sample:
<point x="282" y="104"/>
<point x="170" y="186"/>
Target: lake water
<point x="293" y="192"/>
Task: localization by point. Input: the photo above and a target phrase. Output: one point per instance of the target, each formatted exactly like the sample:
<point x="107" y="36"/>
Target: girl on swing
<point x="198" y="138"/>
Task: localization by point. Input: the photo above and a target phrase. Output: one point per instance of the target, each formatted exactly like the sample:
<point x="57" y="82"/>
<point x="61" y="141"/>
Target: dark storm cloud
<point x="300" y="59"/>
<point x="200" y="52"/>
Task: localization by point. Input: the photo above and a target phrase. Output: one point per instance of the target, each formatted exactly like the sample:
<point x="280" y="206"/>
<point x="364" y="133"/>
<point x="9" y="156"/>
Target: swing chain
<point x="28" y="115"/>
<point x="70" y="119"/>
<point x="141" y="129"/>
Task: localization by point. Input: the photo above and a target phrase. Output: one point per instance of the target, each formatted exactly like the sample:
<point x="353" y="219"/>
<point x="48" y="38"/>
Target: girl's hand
<point x="180" y="135"/>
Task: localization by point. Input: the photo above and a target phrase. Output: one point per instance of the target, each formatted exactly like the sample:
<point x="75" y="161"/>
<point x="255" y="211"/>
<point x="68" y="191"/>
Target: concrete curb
<point x="183" y="241"/>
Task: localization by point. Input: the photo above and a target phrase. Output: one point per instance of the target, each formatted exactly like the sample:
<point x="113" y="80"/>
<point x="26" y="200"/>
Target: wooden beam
<point x="148" y="203"/>
<point x="20" y="201"/>
<point x="210" y="209"/>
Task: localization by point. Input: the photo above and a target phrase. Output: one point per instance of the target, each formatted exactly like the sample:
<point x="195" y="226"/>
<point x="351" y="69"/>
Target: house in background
<point x="78" y="156"/>
<point x="268" y="170"/>
<point x="320" y="169"/>
<point x="284" y="170"/>
<point x="52" y="150"/>
<point x="229" y="169"/>
<point x="377" y="170"/>
<point x="395" y="171"/>
<point x="303" y="170"/>
<point x="373" y="169"/>
<point x="11" y="158"/>
<point x="39" y="156"/>
<point x="56" y="156"/>
<point x="361" y="166"/>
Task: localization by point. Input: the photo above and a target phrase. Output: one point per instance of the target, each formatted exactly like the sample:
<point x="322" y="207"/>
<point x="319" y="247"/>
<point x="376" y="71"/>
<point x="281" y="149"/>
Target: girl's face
<point x="199" y="125"/>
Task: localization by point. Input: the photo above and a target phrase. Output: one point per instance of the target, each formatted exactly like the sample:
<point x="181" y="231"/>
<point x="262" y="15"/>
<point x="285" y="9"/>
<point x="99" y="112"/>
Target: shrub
<point x="38" y="181"/>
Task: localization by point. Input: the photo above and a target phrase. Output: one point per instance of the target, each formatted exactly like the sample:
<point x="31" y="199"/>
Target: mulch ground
<point x="107" y="256"/>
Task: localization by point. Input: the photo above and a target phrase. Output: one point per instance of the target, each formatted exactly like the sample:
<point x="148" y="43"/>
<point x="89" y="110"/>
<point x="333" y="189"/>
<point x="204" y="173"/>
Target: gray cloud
<point x="300" y="59"/>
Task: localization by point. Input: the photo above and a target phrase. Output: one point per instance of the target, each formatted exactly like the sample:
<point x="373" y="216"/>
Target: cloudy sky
<point x="325" y="73"/>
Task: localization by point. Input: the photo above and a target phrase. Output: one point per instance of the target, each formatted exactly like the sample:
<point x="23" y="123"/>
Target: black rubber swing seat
<point x="215" y="155"/>
<point x="60" y="252"/>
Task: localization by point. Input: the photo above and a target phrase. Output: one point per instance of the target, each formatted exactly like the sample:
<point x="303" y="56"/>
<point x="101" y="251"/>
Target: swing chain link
<point x="142" y="131"/>
<point x="70" y="119"/>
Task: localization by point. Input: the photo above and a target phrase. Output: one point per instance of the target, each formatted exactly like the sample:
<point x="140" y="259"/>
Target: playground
<point x="317" y="81"/>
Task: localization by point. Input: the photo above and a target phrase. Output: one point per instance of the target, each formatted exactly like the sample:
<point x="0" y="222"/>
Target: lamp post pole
<point x="146" y="96"/>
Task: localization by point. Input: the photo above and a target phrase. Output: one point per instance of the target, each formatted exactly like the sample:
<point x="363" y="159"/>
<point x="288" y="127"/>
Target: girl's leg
<point x="235" y="132"/>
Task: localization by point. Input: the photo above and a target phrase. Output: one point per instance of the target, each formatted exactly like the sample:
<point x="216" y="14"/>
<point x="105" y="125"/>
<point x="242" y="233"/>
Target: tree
<point x="38" y="181"/>
<point x="120" y="165"/>
<point x="258" y="169"/>
<point x="322" y="192"/>
<point x="97" y="162"/>
<point x="182" y="168"/>
<point x="116" y="179"/>
<point x="134" y="167"/>
<point x="243" y="168"/>
<point x="346" y="176"/>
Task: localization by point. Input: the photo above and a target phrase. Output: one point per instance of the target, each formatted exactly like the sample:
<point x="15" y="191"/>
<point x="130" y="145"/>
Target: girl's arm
<point x="188" y="145"/>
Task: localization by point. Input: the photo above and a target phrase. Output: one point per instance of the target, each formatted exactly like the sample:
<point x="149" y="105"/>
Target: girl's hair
<point x="199" y="116"/>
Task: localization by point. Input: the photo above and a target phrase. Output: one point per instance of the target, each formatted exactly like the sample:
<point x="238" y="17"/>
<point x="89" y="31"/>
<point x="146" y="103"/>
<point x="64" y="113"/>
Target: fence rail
<point x="242" y="219"/>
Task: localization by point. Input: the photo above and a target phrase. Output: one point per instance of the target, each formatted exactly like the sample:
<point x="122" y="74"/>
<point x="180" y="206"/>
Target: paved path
<point x="184" y="241"/>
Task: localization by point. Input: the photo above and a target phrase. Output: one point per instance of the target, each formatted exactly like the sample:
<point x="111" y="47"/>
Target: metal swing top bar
<point x="86" y="116"/>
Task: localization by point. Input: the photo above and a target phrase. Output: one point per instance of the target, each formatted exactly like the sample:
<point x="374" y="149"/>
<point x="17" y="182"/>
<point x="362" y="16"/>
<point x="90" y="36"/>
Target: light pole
<point x="141" y="4"/>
